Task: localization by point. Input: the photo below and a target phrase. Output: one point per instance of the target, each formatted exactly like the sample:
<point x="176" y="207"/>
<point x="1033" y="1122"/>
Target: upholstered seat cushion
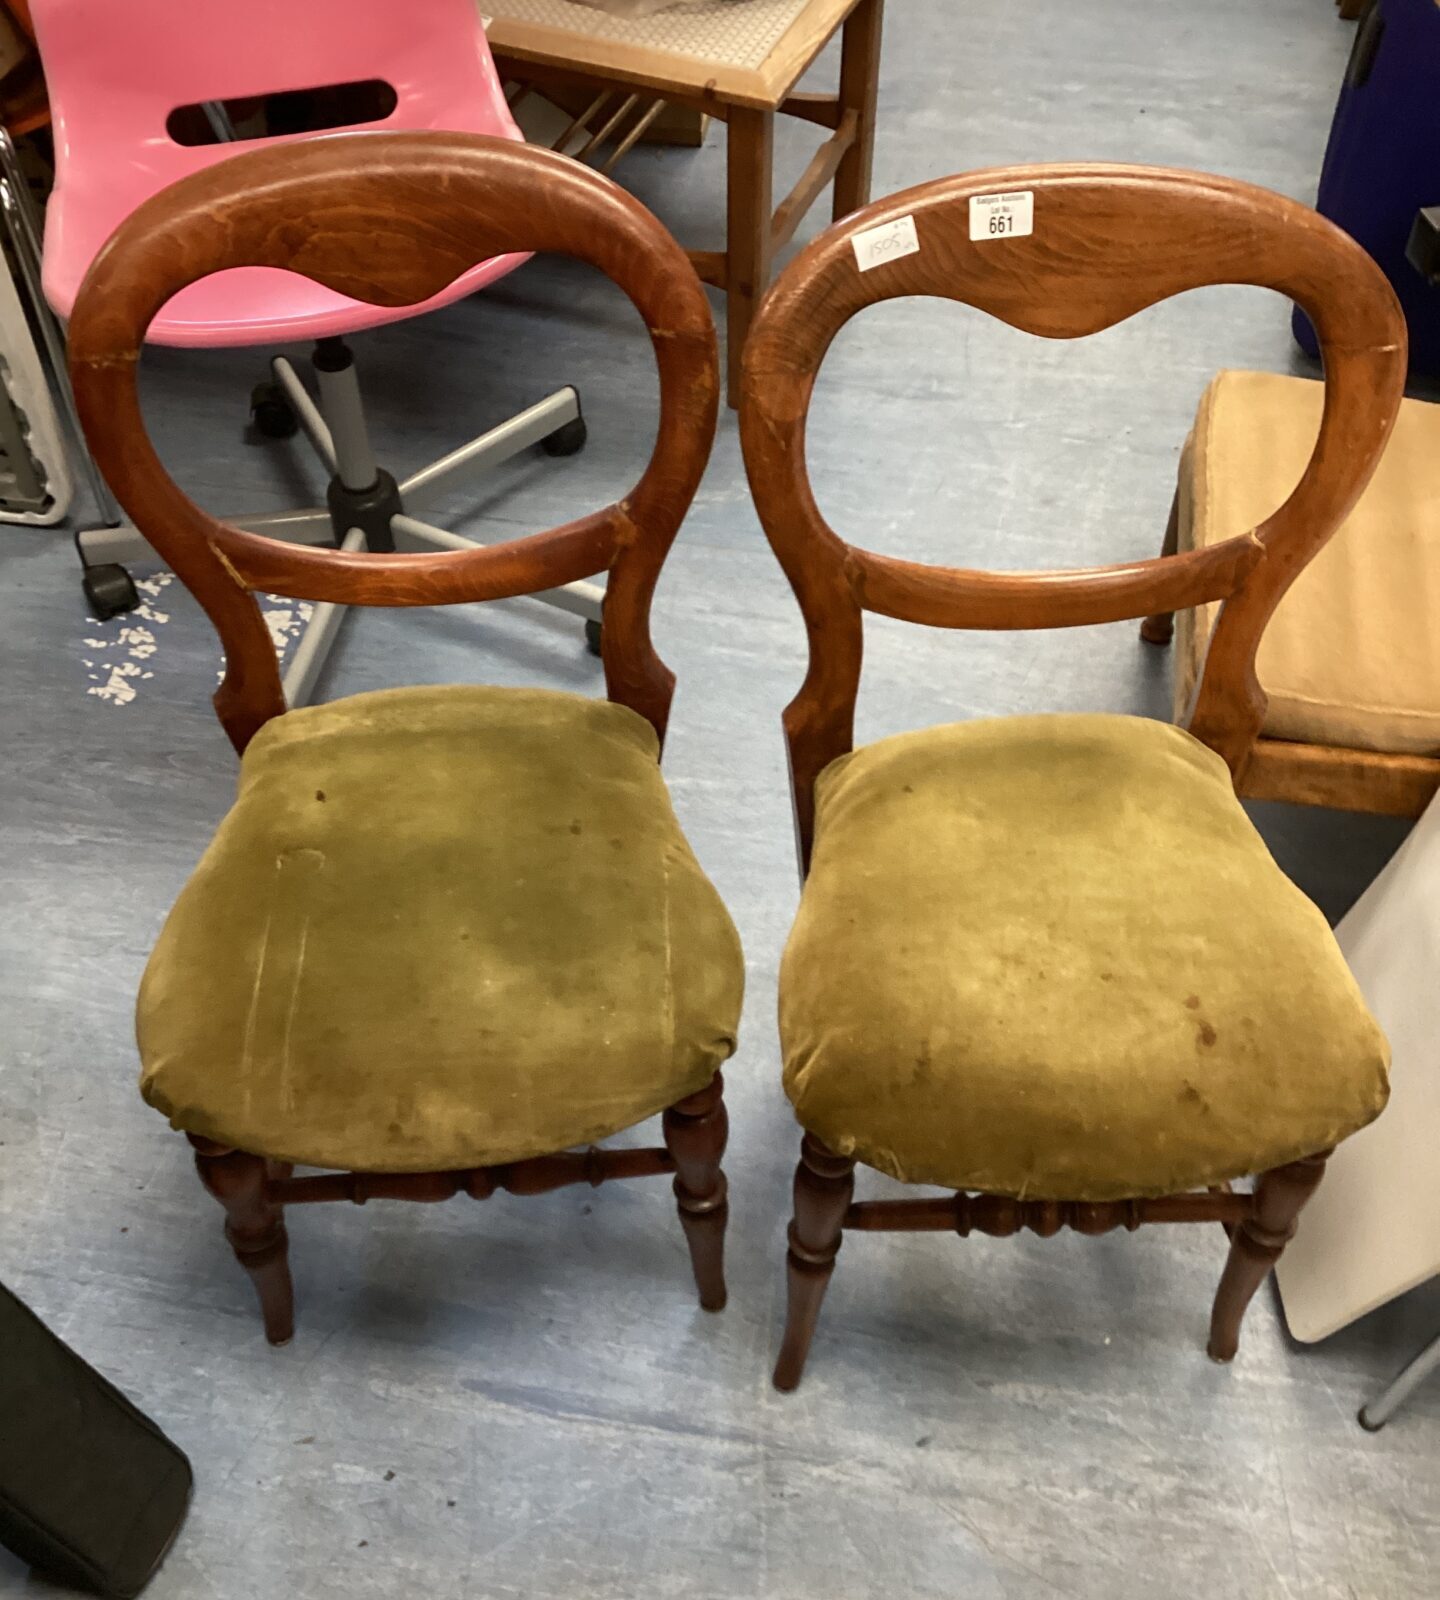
<point x="440" y="928"/>
<point x="1352" y="655"/>
<point x="1050" y="957"/>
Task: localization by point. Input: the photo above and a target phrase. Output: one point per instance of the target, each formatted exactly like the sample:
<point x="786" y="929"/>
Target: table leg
<point x="751" y="163"/>
<point x="859" y="83"/>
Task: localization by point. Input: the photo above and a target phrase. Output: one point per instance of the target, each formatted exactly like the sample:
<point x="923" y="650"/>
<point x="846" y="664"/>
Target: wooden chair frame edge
<point x="245" y="211"/>
<point x="1259" y="1226"/>
<point x="201" y="225"/>
<point x="836" y="582"/>
<point x="254" y="1191"/>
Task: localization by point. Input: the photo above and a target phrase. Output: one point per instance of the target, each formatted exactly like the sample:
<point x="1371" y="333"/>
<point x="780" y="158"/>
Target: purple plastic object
<point x="116" y="69"/>
<point x="1382" y="163"/>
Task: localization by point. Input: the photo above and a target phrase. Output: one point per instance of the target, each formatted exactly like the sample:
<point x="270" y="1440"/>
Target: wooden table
<point x="738" y="62"/>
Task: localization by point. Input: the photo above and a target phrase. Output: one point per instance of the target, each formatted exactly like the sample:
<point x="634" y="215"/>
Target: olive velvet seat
<point x="445" y="935"/>
<point x="532" y="961"/>
<point x="1049" y="957"/>
<point x="1046" y="962"/>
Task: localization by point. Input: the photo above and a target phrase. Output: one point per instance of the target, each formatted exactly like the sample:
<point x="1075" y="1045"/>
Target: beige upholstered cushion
<point x="1352" y="655"/>
<point x="716" y="31"/>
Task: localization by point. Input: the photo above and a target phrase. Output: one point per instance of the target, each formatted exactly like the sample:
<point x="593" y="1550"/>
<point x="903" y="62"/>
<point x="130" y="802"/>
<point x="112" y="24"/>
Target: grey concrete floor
<point x="522" y="1399"/>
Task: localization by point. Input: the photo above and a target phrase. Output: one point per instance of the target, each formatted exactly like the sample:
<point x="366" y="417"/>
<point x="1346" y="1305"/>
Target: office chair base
<point x="554" y="423"/>
<point x="271" y="414"/>
<point x="361" y="494"/>
<point x="109" y="590"/>
<point x="567" y="440"/>
<point x="371" y="510"/>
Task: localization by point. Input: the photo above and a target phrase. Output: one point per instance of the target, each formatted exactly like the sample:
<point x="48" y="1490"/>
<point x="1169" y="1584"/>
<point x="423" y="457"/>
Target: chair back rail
<point x="392" y="219"/>
<point x="1107" y="242"/>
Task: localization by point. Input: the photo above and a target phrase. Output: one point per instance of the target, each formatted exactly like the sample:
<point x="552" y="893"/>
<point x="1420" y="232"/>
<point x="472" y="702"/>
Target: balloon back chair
<point x="446" y="936"/>
<point x="1046" y="962"/>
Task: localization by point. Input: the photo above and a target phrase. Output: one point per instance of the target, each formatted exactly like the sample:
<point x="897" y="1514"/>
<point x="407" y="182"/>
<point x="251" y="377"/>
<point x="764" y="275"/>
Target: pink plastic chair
<point x="117" y="70"/>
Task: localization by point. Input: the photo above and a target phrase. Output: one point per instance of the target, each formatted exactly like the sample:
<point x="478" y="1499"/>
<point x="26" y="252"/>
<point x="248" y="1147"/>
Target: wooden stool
<point x="740" y="65"/>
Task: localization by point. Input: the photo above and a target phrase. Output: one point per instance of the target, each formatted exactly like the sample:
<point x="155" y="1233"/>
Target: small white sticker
<point x="889" y="242"/>
<point x="1002" y="216"/>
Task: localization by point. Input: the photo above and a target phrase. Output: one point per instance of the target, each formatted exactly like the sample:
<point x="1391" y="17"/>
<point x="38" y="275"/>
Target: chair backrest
<point x="116" y="69"/>
<point x="1107" y="241"/>
<point x="391" y="219"/>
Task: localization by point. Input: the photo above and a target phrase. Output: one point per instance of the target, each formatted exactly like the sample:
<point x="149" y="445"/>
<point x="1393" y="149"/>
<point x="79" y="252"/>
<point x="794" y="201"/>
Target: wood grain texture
<point x="1107" y="242"/>
<point x="749" y="204"/>
<point x="696" y="1131"/>
<point x="1159" y="626"/>
<point x="1346" y="780"/>
<point x="1000" y="1216"/>
<point x="537" y="1175"/>
<point x="254" y="1227"/>
<point x="859" y="95"/>
<point x="812" y="183"/>
<point x="1257" y="1244"/>
<point x="1020" y="1413"/>
<point x="255" y="1192"/>
<point x="824" y="1183"/>
<point x="749" y="100"/>
<point x="391" y="219"/>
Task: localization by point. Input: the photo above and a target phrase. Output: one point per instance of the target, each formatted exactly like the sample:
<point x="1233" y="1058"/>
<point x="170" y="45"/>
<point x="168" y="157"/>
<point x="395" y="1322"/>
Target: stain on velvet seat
<point x="1049" y="956"/>
<point x="440" y="928"/>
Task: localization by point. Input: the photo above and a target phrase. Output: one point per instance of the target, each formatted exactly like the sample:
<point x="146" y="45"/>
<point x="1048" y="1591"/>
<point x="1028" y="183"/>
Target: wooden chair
<point x="1350" y="665"/>
<point x="446" y="935"/>
<point x="739" y="64"/>
<point x="1046" y="962"/>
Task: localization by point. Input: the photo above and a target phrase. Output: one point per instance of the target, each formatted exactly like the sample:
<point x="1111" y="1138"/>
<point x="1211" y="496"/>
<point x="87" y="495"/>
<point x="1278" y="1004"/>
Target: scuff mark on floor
<point x="116" y="680"/>
<point x="119" y="651"/>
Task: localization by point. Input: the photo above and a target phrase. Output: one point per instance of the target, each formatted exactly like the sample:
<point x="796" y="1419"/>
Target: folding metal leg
<point x="1379" y="1411"/>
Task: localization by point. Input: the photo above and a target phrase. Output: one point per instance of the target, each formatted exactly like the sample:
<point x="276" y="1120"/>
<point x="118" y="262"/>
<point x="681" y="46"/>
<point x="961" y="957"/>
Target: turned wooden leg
<point x="1257" y="1244"/>
<point x="1160" y="628"/>
<point x="859" y="86"/>
<point x="824" y="1184"/>
<point x="695" y="1133"/>
<point x="255" y="1228"/>
<point x="750" y="160"/>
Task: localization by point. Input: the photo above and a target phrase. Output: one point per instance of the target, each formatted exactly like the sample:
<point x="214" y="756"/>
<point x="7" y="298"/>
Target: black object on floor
<point x="91" y="1491"/>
